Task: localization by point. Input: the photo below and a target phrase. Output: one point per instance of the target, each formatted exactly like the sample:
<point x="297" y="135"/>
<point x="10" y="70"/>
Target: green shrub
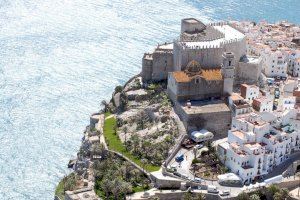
<point x="119" y="88"/>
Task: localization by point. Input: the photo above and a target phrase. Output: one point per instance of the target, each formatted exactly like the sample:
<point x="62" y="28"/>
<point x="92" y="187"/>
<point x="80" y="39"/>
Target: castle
<point x="201" y="68"/>
<point x="198" y="83"/>
<point x="206" y="45"/>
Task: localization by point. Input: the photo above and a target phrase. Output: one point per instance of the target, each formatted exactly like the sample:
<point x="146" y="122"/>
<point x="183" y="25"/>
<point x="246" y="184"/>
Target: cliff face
<point x="147" y="125"/>
<point x="138" y="124"/>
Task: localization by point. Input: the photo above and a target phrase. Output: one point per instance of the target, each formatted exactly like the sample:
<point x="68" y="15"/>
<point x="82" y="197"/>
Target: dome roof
<point x="193" y="67"/>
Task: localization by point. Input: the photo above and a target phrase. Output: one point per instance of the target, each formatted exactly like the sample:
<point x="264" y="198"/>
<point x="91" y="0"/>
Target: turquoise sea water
<point x="60" y="58"/>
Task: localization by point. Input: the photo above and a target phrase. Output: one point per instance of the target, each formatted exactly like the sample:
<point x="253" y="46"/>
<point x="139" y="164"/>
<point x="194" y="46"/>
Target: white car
<point x="184" y="176"/>
<point x="212" y="189"/>
<point x="225" y="193"/>
<point x="198" y="180"/>
<point x="199" y="146"/>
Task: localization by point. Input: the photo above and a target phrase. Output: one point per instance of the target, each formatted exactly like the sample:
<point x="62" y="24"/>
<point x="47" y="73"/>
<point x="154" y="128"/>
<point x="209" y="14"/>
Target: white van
<point x="212" y="189"/>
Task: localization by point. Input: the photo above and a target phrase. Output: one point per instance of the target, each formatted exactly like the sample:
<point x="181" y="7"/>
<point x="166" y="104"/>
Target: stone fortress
<point x="204" y="44"/>
<point x="202" y="68"/>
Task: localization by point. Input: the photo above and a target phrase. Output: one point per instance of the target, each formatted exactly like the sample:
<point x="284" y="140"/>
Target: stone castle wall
<point x="247" y="73"/>
<point x="217" y="122"/>
<point x="155" y="66"/>
<point x="209" y="56"/>
<point x="197" y="91"/>
<point x="162" y="64"/>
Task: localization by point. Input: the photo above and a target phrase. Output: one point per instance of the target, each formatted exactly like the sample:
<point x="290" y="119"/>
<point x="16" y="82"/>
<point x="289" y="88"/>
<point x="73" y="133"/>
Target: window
<point x="229" y="63"/>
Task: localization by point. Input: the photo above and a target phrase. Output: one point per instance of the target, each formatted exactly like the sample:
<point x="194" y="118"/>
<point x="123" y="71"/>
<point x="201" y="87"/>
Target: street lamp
<point x="299" y="183"/>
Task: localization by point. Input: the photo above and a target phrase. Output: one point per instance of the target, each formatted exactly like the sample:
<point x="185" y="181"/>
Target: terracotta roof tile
<point x="207" y="74"/>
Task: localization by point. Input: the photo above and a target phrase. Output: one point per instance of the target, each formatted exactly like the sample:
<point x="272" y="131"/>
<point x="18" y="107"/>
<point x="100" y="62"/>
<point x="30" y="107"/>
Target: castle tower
<point x="228" y="72"/>
<point x="147" y="67"/>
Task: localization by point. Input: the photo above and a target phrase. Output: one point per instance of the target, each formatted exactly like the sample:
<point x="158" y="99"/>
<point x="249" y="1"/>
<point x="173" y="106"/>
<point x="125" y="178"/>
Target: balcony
<point x="247" y="167"/>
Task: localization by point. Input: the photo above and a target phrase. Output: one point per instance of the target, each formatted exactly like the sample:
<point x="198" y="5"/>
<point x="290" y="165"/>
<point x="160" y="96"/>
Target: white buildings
<point x="296" y="67"/>
<point x="278" y="45"/>
<point x="255" y="146"/>
<point x="263" y="104"/>
<point x="249" y="92"/>
<point x="274" y="63"/>
<point x="238" y="105"/>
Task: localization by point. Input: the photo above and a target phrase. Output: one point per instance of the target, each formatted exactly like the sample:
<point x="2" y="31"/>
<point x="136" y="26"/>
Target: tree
<point x="146" y="147"/>
<point x="106" y="186"/>
<point x="98" y="149"/>
<point x="118" y="89"/>
<point x="144" y="163"/>
<point x="193" y="196"/>
<point x="281" y="195"/>
<point x="125" y="129"/>
<point x="272" y="189"/>
<point x="243" y="196"/>
<point x="200" y="196"/>
<point x="120" y="188"/>
<point x="123" y="101"/>
<point x="135" y="142"/>
<point x="254" y="197"/>
<point x="104" y="104"/>
<point x="187" y="196"/>
<point x="70" y="182"/>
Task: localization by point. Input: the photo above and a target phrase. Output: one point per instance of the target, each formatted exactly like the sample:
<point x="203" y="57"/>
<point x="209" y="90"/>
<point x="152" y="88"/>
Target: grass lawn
<point x="114" y="143"/>
<point x="59" y="191"/>
<point x="107" y="114"/>
<point x="138" y="189"/>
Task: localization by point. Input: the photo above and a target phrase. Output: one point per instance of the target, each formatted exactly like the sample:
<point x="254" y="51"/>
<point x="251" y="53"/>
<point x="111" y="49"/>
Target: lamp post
<point x="299" y="183"/>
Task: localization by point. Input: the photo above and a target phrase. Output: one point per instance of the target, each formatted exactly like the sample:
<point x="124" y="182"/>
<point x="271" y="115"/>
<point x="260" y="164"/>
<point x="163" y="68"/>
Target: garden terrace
<point x="114" y="143"/>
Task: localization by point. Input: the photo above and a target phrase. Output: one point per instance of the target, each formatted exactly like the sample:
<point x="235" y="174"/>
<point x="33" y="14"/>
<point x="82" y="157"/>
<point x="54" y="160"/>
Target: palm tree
<point x="144" y="163"/>
<point x="104" y="104"/>
<point x="135" y="142"/>
<point x="188" y="196"/>
<point x="116" y="188"/>
<point x="282" y="194"/>
<point x="273" y="189"/>
<point x="254" y="197"/>
<point x="243" y="196"/>
<point x="106" y="186"/>
<point x="200" y="196"/>
<point x="125" y="129"/>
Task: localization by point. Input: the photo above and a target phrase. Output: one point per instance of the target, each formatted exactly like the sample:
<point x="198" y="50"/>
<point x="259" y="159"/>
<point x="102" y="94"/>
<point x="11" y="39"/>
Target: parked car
<point x="187" y="143"/>
<point x="225" y="193"/>
<point x="277" y="93"/>
<point x="199" y="146"/>
<point x="177" y="174"/>
<point x="198" y="180"/>
<point x="184" y="176"/>
<point x="212" y="189"/>
<point x="195" y="187"/>
<point x="179" y="158"/>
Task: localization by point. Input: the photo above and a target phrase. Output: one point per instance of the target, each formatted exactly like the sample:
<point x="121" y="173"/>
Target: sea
<point x="60" y="58"/>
